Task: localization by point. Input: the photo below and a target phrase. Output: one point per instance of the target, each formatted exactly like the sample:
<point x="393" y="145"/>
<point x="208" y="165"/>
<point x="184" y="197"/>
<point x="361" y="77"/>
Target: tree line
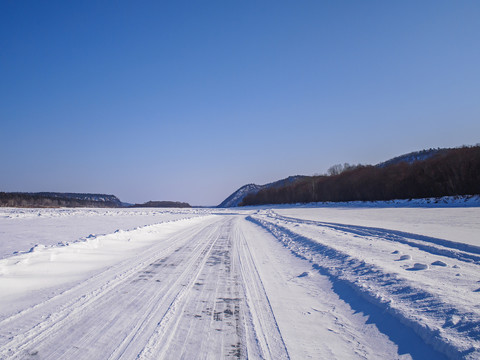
<point x="163" y="204"/>
<point x="447" y="173"/>
<point x="39" y="200"/>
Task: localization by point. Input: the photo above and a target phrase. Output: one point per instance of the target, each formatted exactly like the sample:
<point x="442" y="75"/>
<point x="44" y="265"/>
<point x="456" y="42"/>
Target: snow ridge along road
<point x="430" y="285"/>
<point x="242" y="284"/>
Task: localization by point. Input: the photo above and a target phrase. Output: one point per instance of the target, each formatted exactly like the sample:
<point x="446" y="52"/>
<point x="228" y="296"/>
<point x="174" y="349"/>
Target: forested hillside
<point x="237" y="197"/>
<point x="446" y="173"/>
<point x="163" y="204"/>
<point x="53" y="200"/>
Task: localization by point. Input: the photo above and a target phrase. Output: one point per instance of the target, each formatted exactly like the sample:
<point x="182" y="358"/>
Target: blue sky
<point x="189" y="100"/>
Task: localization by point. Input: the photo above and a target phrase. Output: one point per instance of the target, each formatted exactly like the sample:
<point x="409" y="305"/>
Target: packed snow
<point x="460" y="225"/>
<point x="23" y="229"/>
<point x="289" y="282"/>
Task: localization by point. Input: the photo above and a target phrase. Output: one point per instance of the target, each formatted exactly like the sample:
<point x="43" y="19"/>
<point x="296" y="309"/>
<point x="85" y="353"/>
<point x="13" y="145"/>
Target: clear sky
<point x="189" y="100"/>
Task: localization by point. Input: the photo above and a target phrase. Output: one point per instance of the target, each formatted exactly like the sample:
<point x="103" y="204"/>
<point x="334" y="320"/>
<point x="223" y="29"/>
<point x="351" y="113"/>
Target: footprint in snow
<point x="418" y="266"/>
<point x="404" y="257"/>
<point x="305" y="273"/>
<point x="396" y="252"/>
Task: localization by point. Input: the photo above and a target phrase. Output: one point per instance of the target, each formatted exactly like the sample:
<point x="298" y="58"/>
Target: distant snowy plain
<point x="320" y="282"/>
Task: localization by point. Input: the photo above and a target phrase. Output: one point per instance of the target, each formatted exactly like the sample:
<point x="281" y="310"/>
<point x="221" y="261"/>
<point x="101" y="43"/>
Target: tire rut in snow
<point x="206" y="315"/>
<point x="263" y="333"/>
<point x="463" y="252"/>
<point x="422" y="311"/>
<point x="103" y="320"/>
<point x="197" y="293"/>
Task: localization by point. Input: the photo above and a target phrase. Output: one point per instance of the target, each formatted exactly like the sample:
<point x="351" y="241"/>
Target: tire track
<point x="463" y="252"/>
<point x="197" y="293"/>
<point x="206" y="316"/>
<point x="261" y="316"/>
<point x="423" y="310"/>
<point x="110" y="289"/>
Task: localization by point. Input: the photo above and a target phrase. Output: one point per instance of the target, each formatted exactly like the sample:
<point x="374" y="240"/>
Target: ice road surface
<point x="260" y="283"/>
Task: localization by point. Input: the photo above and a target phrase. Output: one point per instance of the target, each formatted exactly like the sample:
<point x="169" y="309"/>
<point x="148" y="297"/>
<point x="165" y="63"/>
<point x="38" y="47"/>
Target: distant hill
<point x="412" y="157"/>
<point x="423" y="174"/>
<point x="54" y="199"/>
<point x="163" y="204"/>
<point x="237" y="197"/>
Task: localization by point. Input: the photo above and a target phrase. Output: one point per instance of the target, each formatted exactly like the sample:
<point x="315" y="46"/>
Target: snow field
<point x="431" y="287"/>
<point x="314" y="321"/>
<point x="182" y="296"/>
<point x="460" y="225"/>
<point x="53" y="267"/>
<point x="23" y="229"/>
<point x="289" y="283"/>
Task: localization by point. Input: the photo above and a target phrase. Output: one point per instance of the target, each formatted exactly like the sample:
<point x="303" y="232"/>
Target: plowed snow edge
<point x="399" y="298"/>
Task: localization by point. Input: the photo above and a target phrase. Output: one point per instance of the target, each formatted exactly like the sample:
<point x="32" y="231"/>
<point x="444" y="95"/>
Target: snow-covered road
<point x="241" y="284"/>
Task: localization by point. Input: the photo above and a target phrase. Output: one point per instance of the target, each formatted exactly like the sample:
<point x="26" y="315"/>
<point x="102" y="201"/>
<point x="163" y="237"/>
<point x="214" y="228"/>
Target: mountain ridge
<point x="237" y="196"/>
<point x="412" y="157"/>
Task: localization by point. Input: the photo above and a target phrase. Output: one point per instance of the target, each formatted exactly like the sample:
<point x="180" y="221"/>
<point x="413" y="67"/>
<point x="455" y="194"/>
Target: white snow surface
<point x="22" y="229"/>
<point x="458" y="225"/>
<point x="295" y="282"/>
